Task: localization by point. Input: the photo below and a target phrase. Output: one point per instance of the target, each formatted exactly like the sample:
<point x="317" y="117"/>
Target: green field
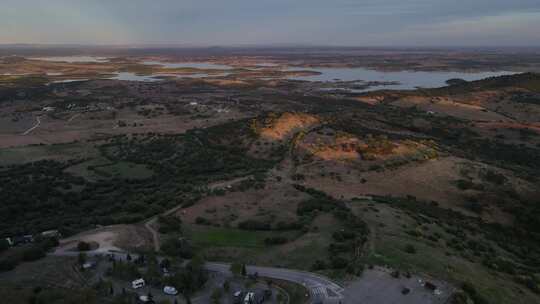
<point x="235" y="245"/>
<point x="227" y="237"/>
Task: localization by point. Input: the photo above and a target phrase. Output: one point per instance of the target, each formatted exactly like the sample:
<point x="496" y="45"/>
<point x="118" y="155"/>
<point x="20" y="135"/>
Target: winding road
<point x="38" y="122"/>
<point x="321" y="289"/>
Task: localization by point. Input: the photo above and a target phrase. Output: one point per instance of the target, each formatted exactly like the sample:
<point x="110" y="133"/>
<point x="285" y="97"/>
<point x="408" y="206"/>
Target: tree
<point x="216" y="295"/>
<point x="4" y="245"/>
<point x="153" y="275"/>
<point x="191" y="278"/>
<point x="410" y="249"/>
<point x="82" y="258"/>
<point x="236" y="268"/>
<point x="165" y="263"/>
<point x="83" y="246"/>
<point x="244" y="270"/>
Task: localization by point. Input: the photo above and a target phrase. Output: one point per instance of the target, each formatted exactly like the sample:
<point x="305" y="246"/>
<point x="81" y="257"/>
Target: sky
<point x="272" y="22"/>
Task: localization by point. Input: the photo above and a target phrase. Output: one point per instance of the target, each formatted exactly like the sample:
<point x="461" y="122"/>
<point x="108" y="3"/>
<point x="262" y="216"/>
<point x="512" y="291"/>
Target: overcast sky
<point x="267" y="22"/>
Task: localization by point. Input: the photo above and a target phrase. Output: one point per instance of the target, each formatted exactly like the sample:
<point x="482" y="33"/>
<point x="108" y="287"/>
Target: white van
<point x="249" y="299"/>
<point x="138" y="284"/>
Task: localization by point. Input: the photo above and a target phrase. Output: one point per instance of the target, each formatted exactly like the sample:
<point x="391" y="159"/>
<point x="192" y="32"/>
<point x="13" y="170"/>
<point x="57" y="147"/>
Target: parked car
<point x="170" y="290"/>
<point x="146" y="300"/>
<point x="139" y="283"/>
<point x="238" y="296"/>
<point x="89" y="265"/>
<point x="250" y="298"/>
<point x="256" y="297"/>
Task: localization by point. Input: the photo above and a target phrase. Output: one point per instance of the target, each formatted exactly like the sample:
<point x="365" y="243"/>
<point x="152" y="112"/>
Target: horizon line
<point x="273" y="45"/>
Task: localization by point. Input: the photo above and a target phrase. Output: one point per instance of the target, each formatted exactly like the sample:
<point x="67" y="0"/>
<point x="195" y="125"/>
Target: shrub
<point x="275" y="240"/>
<point x="4" y="245"/>
<point x="338" y="262"/>
<point x="202" y="221"/>
<point x="8" y="263"/>
<point x="254" y="225"/>
<point x="177" y="247"/>
<point x="464" y="184"/>
<point x="470" y="290"/>
<point x="494" y="177"/>
<point x="319" y="265"/>
<point x="410" y="249"/>
<point x="169" y="224"/>
<point x="83" y="246"/>
<point x="341" y="236"/>
<point x="33" y="253"/>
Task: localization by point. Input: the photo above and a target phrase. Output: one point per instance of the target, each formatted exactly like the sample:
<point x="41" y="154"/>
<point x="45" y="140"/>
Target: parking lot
<point x="379" y="286"/>
<point x="216" y="280"/>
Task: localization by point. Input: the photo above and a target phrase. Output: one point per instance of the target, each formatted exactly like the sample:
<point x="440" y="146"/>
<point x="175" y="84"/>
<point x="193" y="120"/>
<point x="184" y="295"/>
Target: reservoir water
<point x="195" y="65"/>
<point x="72" y="59"/>
<point x="408" y="80"/>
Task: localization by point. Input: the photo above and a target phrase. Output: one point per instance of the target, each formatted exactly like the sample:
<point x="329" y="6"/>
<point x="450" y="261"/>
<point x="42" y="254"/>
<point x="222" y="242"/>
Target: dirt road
<point x="38" y="122"/>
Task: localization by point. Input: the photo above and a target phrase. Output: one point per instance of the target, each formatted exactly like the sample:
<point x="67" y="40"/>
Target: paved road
<point x="322" y="289"/>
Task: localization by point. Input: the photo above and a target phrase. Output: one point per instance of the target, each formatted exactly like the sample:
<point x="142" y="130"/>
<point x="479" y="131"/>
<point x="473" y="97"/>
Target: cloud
<point x="212" y="22"/>
<point x="512" y="28"/>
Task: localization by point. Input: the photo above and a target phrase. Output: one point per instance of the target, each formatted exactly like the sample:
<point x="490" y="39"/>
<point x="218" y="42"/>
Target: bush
<point x="177" y="247"/>
<point x="341" y="236"/>
<point x="254" y="225"/>
<point x="470" y="290"/>
<point x="8" y="263"/>
<point x="308" y="206"/>
<point x="319" y="265"/>
<point x="338" y="262"/>
<point x="275" y="240"/>
<point x="494" y="177"/>
<point x="4" y="245"/>
<point x="202" y="221"/>
<point x="33" y="253"/>
<point x="288" y="226"/>
<point x="464" y="184"/>
<point x="83" y="246"/>
<point x="169" y="224"/>
<point x="410" y="249"/>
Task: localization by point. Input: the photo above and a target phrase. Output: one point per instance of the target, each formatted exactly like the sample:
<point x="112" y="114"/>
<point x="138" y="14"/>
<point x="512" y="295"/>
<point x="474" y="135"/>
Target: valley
<point x="261" y="158"/>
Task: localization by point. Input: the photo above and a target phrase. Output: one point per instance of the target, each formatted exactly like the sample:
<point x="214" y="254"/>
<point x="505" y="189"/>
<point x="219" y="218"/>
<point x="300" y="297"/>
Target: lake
<point x="72" y="59"/>
<point x="408" y="80"/>
<point x="195" y="65"/>
<point x="133" y="77"/>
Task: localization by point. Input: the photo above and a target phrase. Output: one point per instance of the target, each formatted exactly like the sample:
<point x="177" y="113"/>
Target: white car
<point x="138" y="284"/>
<point x="170" y="290"/>
<point x="144" y="299"/>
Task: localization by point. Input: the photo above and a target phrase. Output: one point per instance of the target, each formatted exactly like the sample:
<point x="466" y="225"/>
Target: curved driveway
<point x="322" y="289"/>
